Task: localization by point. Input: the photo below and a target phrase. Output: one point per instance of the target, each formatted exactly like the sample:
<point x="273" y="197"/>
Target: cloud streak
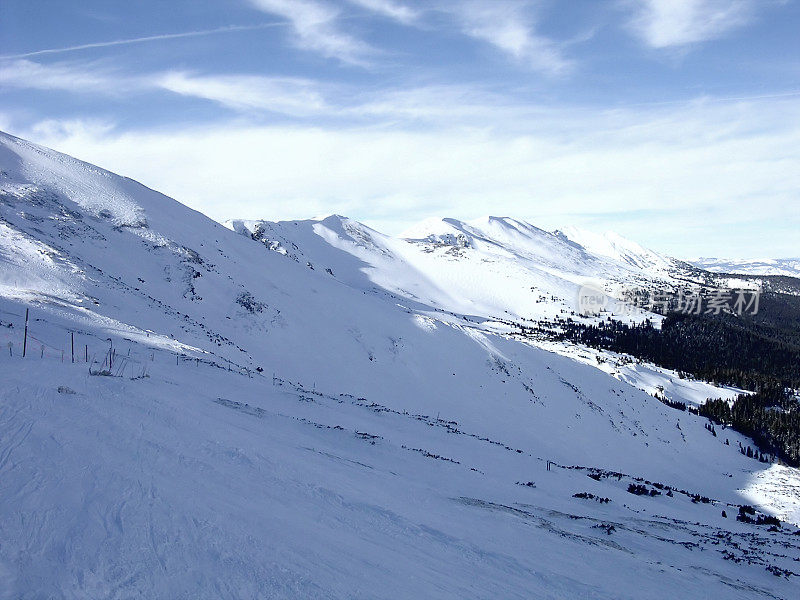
<point x="315" y="28"/>
<point x="305" y="99"/>
<point x="295" y="97"/>
<point x="144" y="39"/>
<point x="388" y="8"/>
<point x="27" y="74"/>
<point x="255" y="94"/>
<point x="289" y="96"/>
<point x="675" y="23"/>
<point x="508" y="26"/>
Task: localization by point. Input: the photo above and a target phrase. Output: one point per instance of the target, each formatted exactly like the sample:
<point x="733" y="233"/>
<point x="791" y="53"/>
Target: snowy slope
<point x="614" y="246"/>
<point x="789" y="267"/>
<point x="383" y="447"/>
<point x="489" y="268"/>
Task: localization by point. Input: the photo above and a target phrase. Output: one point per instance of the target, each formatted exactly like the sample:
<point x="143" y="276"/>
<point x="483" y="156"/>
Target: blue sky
<point x="673" y="122"/>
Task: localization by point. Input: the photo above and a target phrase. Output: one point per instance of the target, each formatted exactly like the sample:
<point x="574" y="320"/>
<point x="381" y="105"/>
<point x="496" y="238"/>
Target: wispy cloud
<point x="72" y="128"/>
<point x="509" y="26"/>
<point x="292" y="96"/>
<point x="289" y="96"/>
<point x="145" y="39"/>
<point x="27" y="74"/>
<point x="299" y="98"/>
<point x="388" y="8"/>
<point x="463" y="104"/>
<point x="674" y="23"/>
<point x="305" y="99"/>
<point x="315" y="27"/>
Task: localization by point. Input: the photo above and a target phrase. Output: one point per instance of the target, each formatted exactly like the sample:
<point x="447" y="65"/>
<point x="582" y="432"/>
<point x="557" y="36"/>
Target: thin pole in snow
<point x="86" y="353"/>
<point x="25" y="338"/>
<point x="72" y="344"/>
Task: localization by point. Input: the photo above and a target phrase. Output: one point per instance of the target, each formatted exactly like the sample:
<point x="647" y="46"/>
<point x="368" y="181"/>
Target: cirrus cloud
<point x="670" y="23"/>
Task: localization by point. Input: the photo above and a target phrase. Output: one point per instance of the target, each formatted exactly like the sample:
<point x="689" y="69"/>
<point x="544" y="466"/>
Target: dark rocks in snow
<point x="249" y="303"/>
<point x="642" y="490"/>
<point x="590" y="496"/>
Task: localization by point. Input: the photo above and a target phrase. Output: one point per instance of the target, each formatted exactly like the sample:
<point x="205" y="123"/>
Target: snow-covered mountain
<point x="789" y="267"/>
<point x="313" y="409"/>
<point x="489" y="268"/>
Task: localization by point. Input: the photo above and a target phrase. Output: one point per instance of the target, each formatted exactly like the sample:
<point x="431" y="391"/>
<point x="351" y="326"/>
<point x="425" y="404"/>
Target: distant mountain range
<point x="789" y="267"/>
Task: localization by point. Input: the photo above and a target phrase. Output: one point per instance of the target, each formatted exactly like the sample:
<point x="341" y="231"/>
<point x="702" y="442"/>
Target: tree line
<point x="755" y="352"/>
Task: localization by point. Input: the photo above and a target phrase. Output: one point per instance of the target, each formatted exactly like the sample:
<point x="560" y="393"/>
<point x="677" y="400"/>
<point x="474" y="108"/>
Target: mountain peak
<point x="612" y="245"/>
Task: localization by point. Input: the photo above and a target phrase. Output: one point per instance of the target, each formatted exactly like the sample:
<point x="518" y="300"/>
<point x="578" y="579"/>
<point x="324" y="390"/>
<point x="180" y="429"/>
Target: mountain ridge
<point x="789" y="267"/>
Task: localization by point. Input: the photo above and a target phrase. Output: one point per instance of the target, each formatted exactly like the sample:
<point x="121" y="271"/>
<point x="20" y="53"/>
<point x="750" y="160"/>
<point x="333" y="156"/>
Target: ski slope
<point x="313" y="409"/>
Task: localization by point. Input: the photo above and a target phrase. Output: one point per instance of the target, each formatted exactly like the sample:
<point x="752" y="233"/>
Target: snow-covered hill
<point x="789" y="267"/>
<point x="489" y="268"/>
<point x="316" y="410"/>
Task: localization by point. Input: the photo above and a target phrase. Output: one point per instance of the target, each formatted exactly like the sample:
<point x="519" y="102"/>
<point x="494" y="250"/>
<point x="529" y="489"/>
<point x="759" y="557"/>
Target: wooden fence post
<point x="25" y="339"/>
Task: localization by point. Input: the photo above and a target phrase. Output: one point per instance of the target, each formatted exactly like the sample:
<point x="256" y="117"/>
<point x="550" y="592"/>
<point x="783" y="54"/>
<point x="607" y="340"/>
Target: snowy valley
<point x="314" y="409"/>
